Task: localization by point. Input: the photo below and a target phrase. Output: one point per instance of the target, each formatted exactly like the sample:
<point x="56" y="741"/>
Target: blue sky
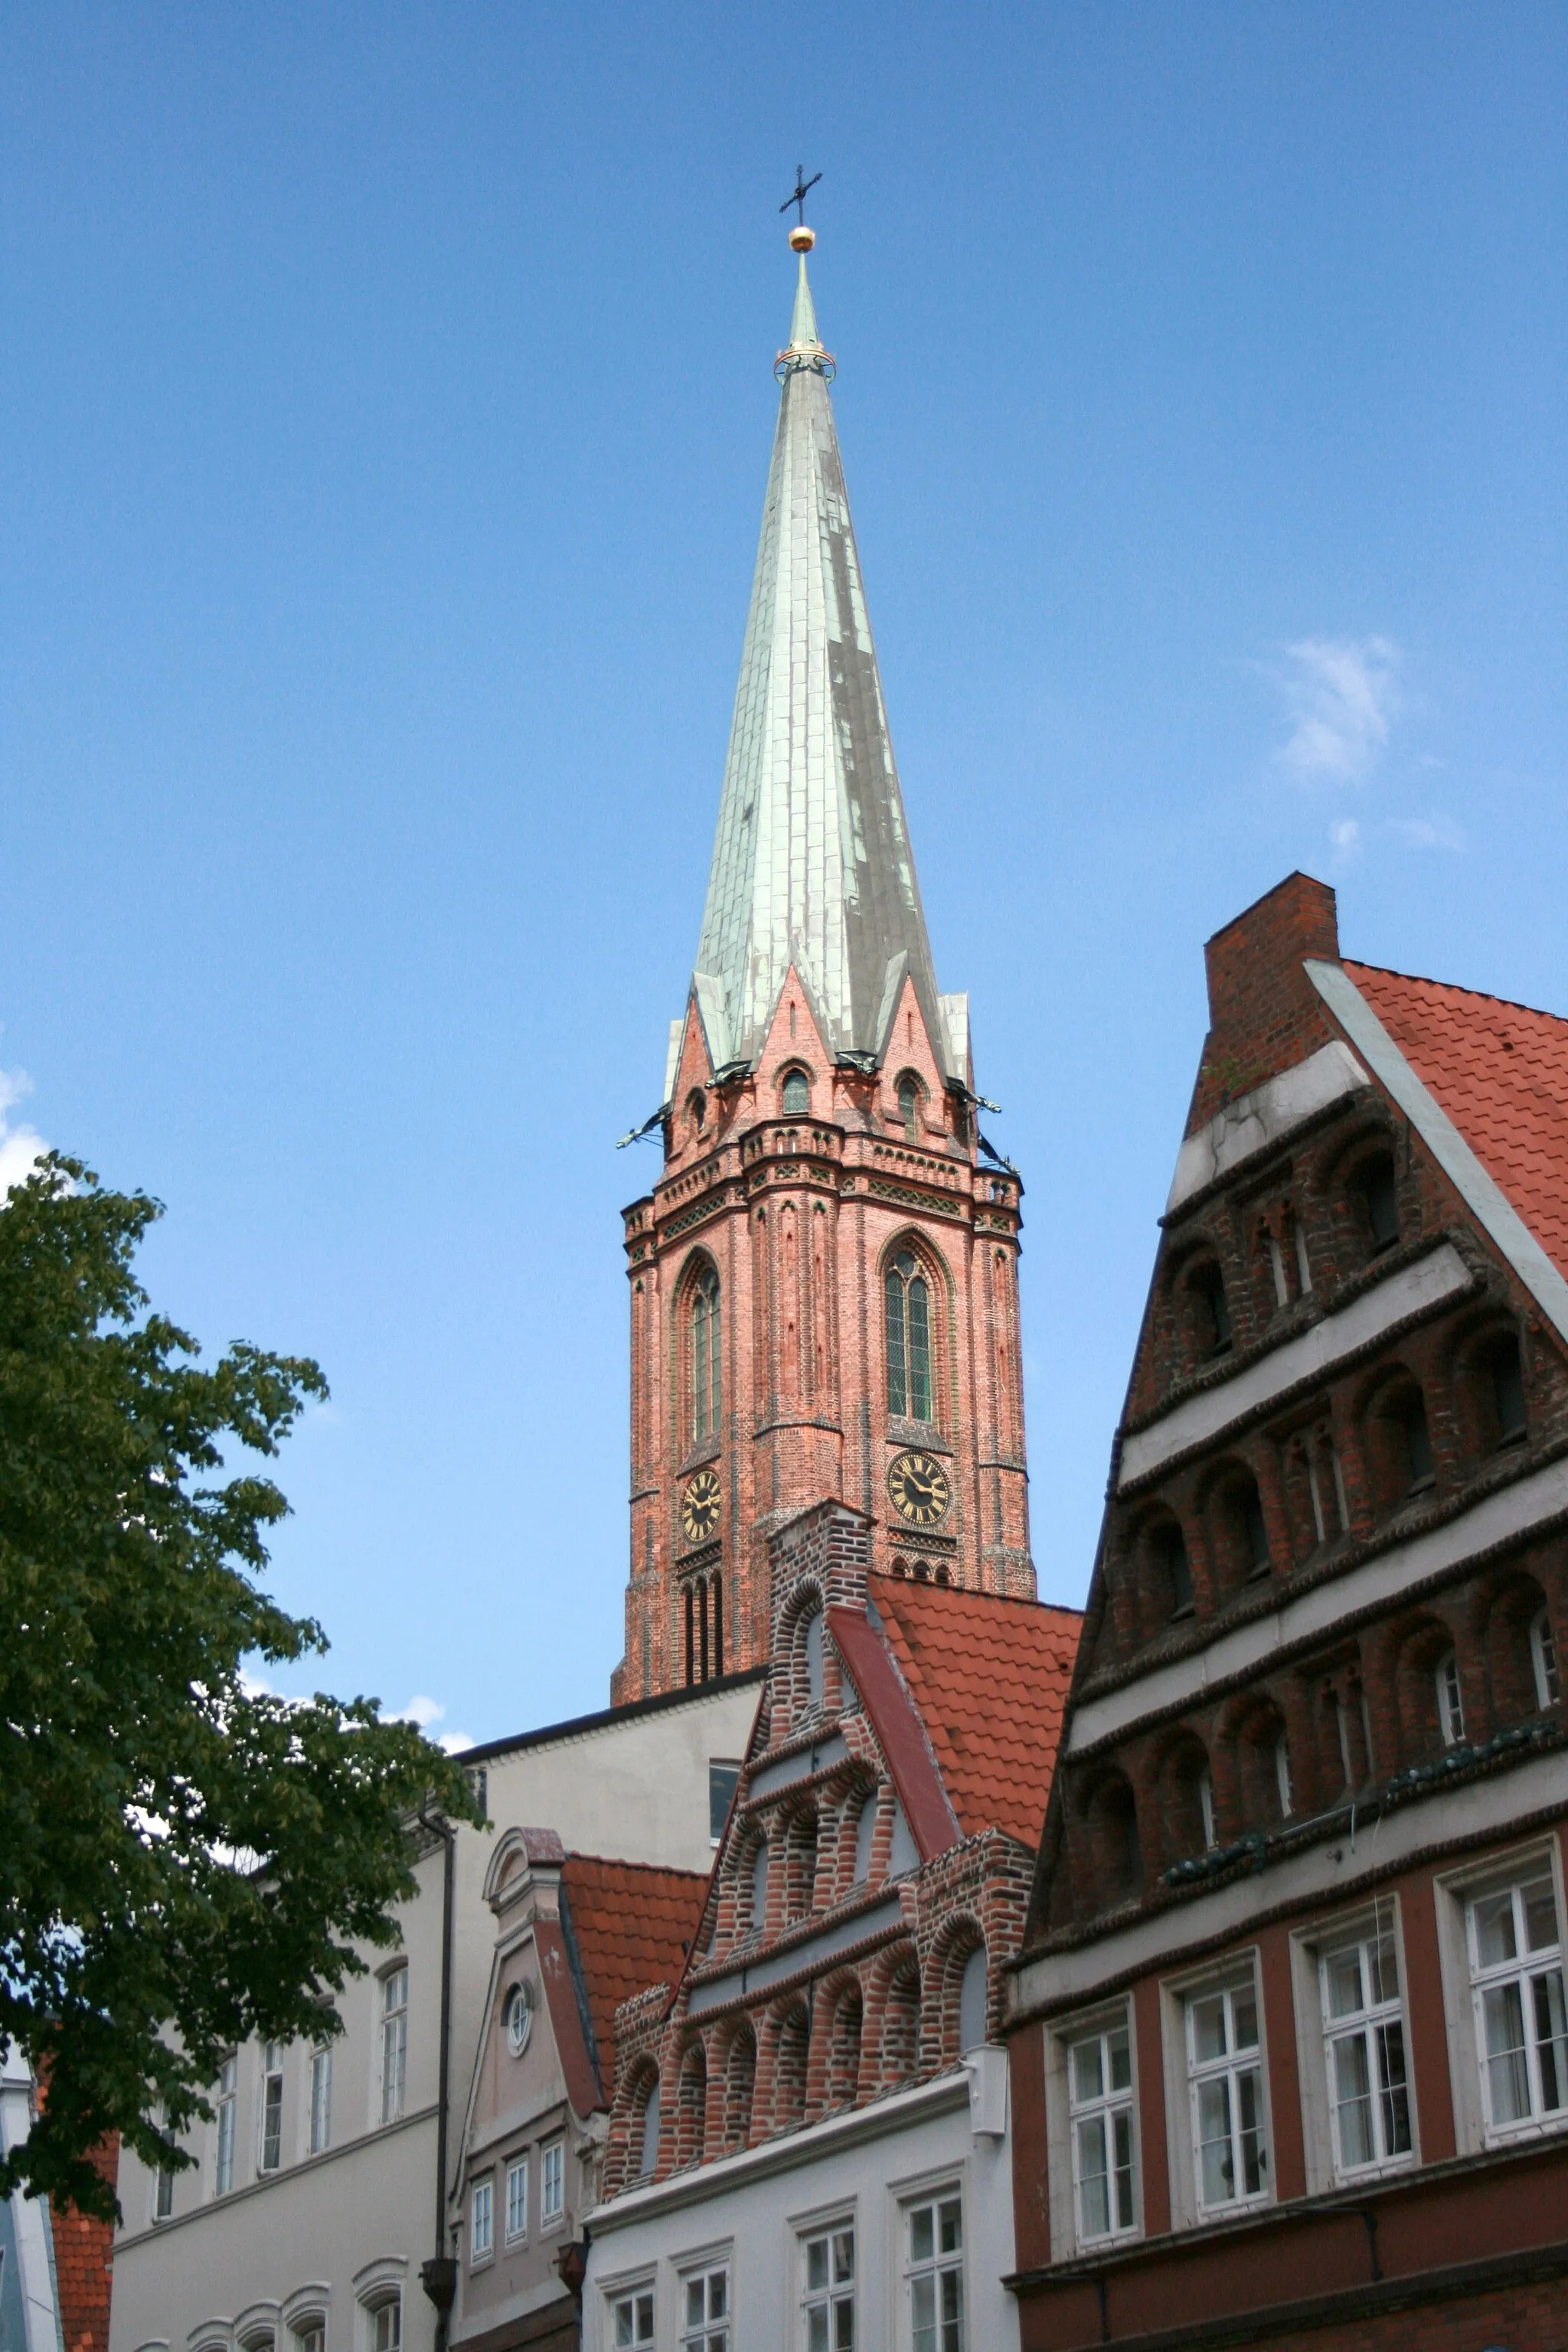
<point x="387" y="403"/>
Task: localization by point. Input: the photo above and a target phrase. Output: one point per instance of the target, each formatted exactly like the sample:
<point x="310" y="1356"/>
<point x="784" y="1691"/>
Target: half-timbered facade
<point x="1290" y="2053"/>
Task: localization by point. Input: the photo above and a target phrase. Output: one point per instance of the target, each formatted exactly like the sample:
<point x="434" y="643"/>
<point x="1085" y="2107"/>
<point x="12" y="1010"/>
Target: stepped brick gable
<point x="881" y="1836"/>
<point x="824" y="1276"/>
<point x="1288" y="2040"/>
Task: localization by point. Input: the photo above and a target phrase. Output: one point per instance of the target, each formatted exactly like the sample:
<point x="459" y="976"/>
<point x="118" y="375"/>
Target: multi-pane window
<point x="1450" y="1699"/>
<point x="908" y="1328"/>
<point x="270" y="2155"/>
<point x="1516" y="1972"/>
<point x="517" y="2199"/>
<point x="631" y="2318"/>
<point x="1543" y="1662"/>
<point x="1100" y="2101"/>
<point x="228" y="2085"/>
<point x="321" y="2100"/>
<point x="909" y="1107"/>
<point x="311" y="2337"/>
<point x="481" y="2221"/>
<point x="705" y="2310"/>
<point x="393" y="2042"/>
<point x="1364" y="2037"/>
<point x="797" y="1095"/>
<point x="827" y="2290"/>
<point x="552" y="2183"/>
<point x="933" y="2277"/>
<point x="1226" y="2075"/>
<point x="707" y="1385"/>
<point x="386" y="2326"/>
<point x="163" y="2182"/>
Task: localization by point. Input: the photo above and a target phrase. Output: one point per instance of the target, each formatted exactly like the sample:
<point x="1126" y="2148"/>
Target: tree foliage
<point x="185" y="1859"/>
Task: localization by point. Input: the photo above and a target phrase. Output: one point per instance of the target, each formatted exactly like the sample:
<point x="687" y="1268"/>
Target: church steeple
<point x="824" y="1273"/>
<point x="812" y="862"/>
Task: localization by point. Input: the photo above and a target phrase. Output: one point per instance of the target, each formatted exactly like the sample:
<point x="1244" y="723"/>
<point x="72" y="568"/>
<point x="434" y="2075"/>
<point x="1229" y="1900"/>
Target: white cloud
<point x="1341" y="695"/>
<point x="426" y="1713"/>
<point x="20" y="1145"/>
<point x="1428" y="832"/>
<point x="1344" y="839"/>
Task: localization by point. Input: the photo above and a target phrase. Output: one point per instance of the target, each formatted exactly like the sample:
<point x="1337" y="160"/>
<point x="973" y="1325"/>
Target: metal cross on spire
<point x="803" y="188"/>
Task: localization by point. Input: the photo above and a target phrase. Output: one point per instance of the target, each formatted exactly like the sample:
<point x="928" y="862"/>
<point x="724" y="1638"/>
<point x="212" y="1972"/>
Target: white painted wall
<point x="222" y="2271"/>
<point x="866" y="2165"/>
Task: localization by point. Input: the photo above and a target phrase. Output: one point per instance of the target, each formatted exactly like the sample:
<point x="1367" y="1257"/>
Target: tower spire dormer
<point x="812" y="862"/>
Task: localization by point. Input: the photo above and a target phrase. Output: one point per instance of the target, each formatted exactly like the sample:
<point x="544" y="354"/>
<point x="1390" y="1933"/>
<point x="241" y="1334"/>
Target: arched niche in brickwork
<point x="1248" y="1734"/>
<point x="1372" y="1202"/>
<point x="1200" y="1295"/>
<point x="1156" y="1565"/>
<point x="1234" y="1525"/>
<point x="1182" y="1767"/>
<point x="946" y="1965"/>
<point x="691" y="2106"/>
<point x="1485" y="1364"/>
<point x="737" y="2063"/>
<point x="789" y="2033"/>
<point x="634" y="2131"/>
<point x="898" y="2051"/>
<point x="806" y="1668"/>
<point x="797" y="1840"/>
<point x="1419" y="1642"/>
<point x="1108" y="1841"/>
<point x="1393" y="1422"/>
<point x="840" y="2024"/>
<point x="1505" y="1607"/>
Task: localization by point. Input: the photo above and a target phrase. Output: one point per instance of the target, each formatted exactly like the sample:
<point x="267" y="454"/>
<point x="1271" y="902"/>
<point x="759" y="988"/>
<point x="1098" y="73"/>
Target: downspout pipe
<point x="438" y="2276"/>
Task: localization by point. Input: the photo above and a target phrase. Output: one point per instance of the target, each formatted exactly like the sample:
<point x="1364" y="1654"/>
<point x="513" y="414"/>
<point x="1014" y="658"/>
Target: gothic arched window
<point x="796" y="1094"/>
<point x="908" y="1320"/>
<point x="706" y="1376"/>
<point x="908" y="1106"/>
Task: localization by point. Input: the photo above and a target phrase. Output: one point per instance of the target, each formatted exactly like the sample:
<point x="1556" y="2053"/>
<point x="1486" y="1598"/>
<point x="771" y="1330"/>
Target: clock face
<point x="699" y="1506"/>
<point x="918" y="1484"/>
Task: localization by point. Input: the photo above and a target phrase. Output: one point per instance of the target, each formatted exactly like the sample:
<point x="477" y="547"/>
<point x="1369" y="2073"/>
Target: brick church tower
<point x="824" y="1279"/>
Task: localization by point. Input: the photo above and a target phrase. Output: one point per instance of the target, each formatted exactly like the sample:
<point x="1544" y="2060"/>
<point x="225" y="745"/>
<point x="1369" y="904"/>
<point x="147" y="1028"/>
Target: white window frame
<point x="634" y="2296"/>
<point x="1531" y="1971"/>
<point x="1239" y="1970"/>
<point x="835" y="2291"/>
<point x="517" y="2169"/>
<point x="481" y="2221"/>
<point x="551" y="2161"/>
<point x="1309" y="1945"/>
<point x="320" y="2121"/>
<point x="389" y="2306"/>
<point x="948" y="2333"/>
<point x="1453" y="1893"/>
<point x="1543" y="1661"/>
<point x="1237" y="2064"/>
<point x="270" y="2108"/>
<point x="715" y="2331"/>
<point x="1366" y="1936"/>
<point x="1450" y="1691"/>
<point x="1114" y="2103"/>
<point x="1283" y="1780"/>
<point x="226" y="2137"/>
<point x="392" y="2042"/>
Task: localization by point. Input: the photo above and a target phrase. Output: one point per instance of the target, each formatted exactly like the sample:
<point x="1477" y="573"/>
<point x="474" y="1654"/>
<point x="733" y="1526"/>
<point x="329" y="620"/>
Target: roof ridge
<point x="657" y="1869"/>
<point x="1456" y="988"/>
<point x="966" y="1593"/>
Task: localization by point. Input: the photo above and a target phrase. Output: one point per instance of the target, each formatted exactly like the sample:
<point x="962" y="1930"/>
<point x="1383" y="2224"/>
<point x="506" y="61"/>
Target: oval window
<point x="518" y="2014"/>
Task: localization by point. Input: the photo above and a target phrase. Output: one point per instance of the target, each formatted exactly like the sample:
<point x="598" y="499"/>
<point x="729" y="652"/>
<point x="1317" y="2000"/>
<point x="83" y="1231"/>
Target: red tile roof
<point x="631" y="1925"/>
<point x="990" y="1678"/>
<point x="1501" y="1072"/>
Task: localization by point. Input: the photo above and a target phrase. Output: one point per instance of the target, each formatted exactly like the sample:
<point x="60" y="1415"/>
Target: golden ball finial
<point x="801" y="238"/>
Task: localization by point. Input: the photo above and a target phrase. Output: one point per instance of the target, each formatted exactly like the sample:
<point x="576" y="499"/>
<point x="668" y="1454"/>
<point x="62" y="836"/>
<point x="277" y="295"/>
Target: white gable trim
<point x="1482" y="1195"/>
<point x="1253" y="1121"/>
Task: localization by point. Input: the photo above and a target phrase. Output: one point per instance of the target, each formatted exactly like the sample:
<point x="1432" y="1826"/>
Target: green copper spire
<point x="811" y="864"/>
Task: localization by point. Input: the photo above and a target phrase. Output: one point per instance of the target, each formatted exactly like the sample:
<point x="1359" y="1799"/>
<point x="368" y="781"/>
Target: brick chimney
<point x="1264" y="1012"/>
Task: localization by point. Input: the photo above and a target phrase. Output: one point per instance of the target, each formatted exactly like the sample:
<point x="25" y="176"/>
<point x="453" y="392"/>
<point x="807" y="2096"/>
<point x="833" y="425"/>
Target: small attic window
<point x="796" y="1094"/>
<point x="517" y="2016"/>
<point x="696" y="1109"/>
<point x="1211" y="1310"/>
<point x="1375" y="1182"/>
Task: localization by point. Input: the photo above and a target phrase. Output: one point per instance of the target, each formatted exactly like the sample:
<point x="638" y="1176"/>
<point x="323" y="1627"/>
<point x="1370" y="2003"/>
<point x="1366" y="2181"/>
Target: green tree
<point x="185" y="1860"/>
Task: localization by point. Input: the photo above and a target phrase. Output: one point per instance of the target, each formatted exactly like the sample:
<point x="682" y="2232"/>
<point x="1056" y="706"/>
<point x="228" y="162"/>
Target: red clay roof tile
<point x="631" y="1924"/>
<point x="990" y="1678"/>
<point x="1501" y="1072"/>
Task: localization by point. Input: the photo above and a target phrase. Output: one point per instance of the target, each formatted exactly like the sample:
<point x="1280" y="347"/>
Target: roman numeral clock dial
<point x="918" y="1489"/>
<point x="699" y="1506"/>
